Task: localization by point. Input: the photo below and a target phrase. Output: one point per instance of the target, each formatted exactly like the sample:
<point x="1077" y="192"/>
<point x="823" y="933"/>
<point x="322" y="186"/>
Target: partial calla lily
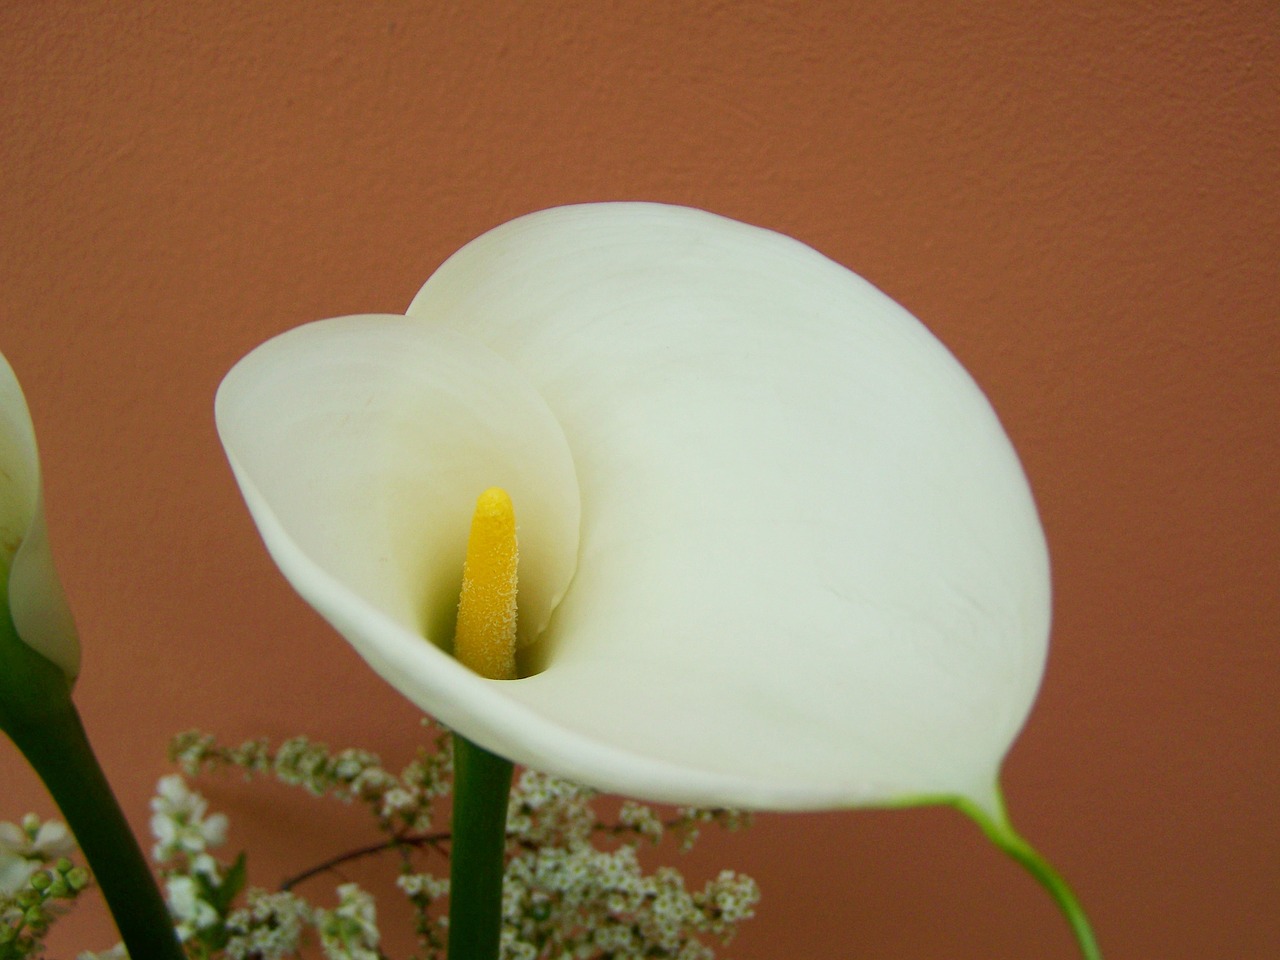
<point x="775" y="549"/>
<point x="34" y="593"/>
<point x="39" y="659"/>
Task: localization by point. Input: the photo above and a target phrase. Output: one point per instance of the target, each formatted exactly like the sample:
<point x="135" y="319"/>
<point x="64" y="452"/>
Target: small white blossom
<point x="180" y="827"/>
<point x="270" y="927"/>
<point x="118" y="952"/>
<point x="511" y="947"/>
<point x="192" y="913"/>
<point x="397" y="800"/>
<point x="615" y="938"/>
<point x="350" y="930"/>
<point x="25" y="848"/>
<point x="733" y="896"/>
<point x="423" y="885"/>
<point x="641" y="819"/>
<point x="547" y="811"/>
<point x="299" y="762"/>
<point x="349" y="764"/>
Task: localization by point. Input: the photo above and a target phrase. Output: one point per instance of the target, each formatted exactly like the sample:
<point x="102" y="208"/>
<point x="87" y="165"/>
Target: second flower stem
<point x="59" y="751"/>
<point x="37" y="713"/>
<point x="482" y="785"/>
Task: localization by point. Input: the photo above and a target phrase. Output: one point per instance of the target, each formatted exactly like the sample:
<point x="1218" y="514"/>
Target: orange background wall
<point x="1079" y="198"/>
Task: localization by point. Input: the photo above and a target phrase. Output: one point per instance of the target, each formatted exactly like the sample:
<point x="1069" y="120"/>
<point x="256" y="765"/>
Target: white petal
<point x="183" y="897"/>
<point x="171" y="793"/>
<point x="214" y="830"/>
<point x="13" y="838"/>
<point x="811" y="573"/>
<point x="53" y="840"/>
<point x="14" y="873"/>
<point x="360" y="445"/>
<point x="36" y="599"/>
<point x="165" y="829"/>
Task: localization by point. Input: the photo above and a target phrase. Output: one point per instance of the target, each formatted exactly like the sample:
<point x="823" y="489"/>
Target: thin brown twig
<point x="433" y="840"/>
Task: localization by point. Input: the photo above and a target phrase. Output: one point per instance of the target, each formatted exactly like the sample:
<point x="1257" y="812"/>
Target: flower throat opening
<point x="485" y="639"/>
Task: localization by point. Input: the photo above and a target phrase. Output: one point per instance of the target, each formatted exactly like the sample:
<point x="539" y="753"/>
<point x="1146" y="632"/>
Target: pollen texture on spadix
<point x="485" y="640"/>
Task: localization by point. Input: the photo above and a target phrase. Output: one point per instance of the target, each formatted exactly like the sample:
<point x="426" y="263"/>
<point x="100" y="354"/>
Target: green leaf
<point x="232" y="885"/>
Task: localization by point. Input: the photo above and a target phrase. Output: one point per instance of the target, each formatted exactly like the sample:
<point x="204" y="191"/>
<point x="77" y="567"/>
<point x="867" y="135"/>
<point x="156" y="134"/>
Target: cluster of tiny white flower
<point x="270" y="926"/>
<point x="189" y="908"/>
<point x="181" y="828"/>
<point x="28" y="846"/>
<point x="690" y="821"/>
<point x="565" y="897"/>
<point x="118" y="952"/>
<point x="731" y="897"/>
<point x="400" y="803"/>
<point x="585" y="902"/>
<point x="546" y="811"/>
<point x="574" y="885"/>
<point x="641" y="820"/>
<point x="350" y="930"/>
<point x="185" y="833"/>
<point x="37" y="882"/>
<point x="200" y="889"/>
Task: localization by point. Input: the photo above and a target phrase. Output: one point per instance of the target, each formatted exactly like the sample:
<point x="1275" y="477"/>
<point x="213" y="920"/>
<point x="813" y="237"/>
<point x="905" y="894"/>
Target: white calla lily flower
<point x="34" y="593"/>
<point x="776" y="550"/>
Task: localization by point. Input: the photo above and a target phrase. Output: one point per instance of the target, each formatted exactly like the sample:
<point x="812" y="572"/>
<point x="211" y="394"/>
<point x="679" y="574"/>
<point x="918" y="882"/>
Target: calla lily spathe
<point x="35" y="597"/>
<point x="776" y="550"/>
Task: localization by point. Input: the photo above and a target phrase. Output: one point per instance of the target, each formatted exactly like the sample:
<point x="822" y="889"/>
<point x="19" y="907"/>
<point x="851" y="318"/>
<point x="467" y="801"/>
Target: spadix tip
<point x="494" y="503"/>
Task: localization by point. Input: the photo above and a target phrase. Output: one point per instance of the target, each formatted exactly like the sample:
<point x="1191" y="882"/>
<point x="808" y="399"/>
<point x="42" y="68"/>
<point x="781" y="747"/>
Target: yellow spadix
<point x="485" y="639"/>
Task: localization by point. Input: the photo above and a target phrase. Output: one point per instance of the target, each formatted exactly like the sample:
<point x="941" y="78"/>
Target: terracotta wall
<point x="1080" y="199"/>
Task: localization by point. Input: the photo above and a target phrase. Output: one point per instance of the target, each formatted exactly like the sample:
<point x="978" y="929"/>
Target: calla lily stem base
<point x="55" y="744"/>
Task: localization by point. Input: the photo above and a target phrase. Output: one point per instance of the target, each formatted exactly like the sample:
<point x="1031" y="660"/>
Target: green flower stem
<point x="1000" y="832"/>
<point x="37" y="713"/>
<point x="481" y="787"/>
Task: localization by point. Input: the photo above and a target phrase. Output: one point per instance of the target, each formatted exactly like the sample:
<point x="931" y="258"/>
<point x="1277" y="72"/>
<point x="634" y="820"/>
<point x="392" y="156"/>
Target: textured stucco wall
<point x="1080" y="199"/>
